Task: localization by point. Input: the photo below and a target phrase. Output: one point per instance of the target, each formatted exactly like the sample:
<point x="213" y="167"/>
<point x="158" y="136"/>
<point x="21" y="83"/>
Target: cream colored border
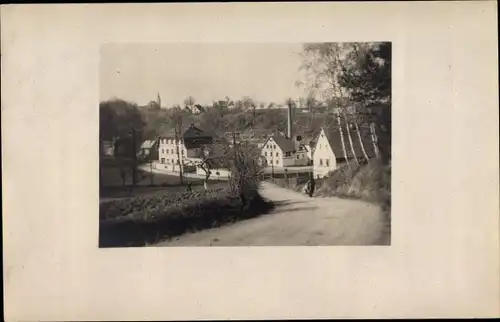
<point x="444" y="258"/>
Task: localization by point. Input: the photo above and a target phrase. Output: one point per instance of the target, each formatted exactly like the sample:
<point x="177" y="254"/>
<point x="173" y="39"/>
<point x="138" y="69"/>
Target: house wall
<point x="301" y="158"/>
<point x="324" y="159"/>
<point x="288" y="161"/>
<point x="272" y="153"/>
<point x="167" y="154"/>
<point x="280" y="159"/>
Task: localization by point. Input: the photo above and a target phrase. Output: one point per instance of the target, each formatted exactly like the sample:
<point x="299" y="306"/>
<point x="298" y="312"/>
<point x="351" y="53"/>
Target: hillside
<point x="215" y="120"/>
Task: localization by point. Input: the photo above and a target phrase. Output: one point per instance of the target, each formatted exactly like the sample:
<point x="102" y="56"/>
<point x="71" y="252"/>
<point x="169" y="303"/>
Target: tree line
<point x="353" y="75"/>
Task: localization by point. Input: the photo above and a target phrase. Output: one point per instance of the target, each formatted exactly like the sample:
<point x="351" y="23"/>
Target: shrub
<point x="142" y="220"/>
<point x="369" y="182"/>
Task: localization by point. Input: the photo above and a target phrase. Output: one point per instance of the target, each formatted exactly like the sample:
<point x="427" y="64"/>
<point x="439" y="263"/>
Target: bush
<point x="370" y="182"/>
<point x="142" y="220"/>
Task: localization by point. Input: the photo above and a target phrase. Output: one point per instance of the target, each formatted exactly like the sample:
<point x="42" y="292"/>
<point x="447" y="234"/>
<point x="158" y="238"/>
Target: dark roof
<point x="285" y="144"/>
<point x="194" y="137"/>
<point x="193" y="132"/>
<point x="311" y="140"/>
<point x="188" y="132"/>
<point x="334" y="138"/>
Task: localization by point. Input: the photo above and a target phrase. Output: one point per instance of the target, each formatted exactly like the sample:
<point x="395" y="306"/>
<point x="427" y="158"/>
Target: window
<point x="277" y="154"/>
<point x="270" y="161"/>
<point x="265" y="154"/>
<point x="274" y="146"/>
<point x="320" y="162"/>
<point x="327" y="161"/>
<point x="277" y="161"/>
<point x="167" y="151"/>
<point x="270" y="154"/>
<point x="297" y="156"/>
<point x="182" y="152"/>
<point x="162" y="160"/>
<point x="287" y="154"/>
<point x="172" y="151"/>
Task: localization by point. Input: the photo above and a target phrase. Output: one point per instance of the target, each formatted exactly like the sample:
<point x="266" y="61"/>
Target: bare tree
<point x="320" y="64"/>
<point x="241" y="159"/>
<point x="327" y="64"/>
<point x="342" y="138"/>
<point x="360" y="139"/>
<point x="208" y="158"/>
<point x="367" y="77"/>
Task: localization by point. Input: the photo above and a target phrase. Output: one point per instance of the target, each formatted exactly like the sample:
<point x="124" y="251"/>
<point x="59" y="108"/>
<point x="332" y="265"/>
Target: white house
<point x="328" y="153"/>
<point x="185" y="151"/>
<point x="280" y="151"/>
<point x="171" y="152"/>
<point x="196" y="109"/>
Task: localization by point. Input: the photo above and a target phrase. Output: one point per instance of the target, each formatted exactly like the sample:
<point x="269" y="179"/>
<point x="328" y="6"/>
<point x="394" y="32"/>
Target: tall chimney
<point x="289" y="129"/>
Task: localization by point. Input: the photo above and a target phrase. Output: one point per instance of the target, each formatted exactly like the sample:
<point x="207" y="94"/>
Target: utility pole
<point x="151" y="166"/>
<point x="178" y="127"/>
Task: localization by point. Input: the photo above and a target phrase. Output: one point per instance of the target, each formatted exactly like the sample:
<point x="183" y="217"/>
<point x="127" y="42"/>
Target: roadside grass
<point x="370" y="182"/>
<point x="142" y="221"/>
<point x="113" y="186"/>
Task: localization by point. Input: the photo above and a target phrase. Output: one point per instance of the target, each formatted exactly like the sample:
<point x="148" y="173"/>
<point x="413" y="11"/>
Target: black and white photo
<point x="245" y="144"/>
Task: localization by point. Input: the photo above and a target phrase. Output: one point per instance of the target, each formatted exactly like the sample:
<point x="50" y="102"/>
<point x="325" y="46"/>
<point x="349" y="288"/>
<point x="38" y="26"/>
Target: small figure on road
<point x="311" y="184"/>
<point x="189" y="188"/>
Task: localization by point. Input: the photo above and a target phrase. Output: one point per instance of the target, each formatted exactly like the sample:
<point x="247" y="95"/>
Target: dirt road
<point x="299" y="221"/>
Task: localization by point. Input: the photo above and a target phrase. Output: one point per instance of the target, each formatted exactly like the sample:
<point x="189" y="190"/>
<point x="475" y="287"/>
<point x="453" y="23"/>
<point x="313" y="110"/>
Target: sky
<point x="208" y="72"/>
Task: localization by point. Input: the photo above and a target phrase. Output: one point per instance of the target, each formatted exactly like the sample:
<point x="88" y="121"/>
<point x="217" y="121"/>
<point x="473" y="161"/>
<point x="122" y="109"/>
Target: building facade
<point x="184" y="152"/>
<point x="324" y="159"/>
<point x="328" y="153"/>
<point x="279" y="151"/>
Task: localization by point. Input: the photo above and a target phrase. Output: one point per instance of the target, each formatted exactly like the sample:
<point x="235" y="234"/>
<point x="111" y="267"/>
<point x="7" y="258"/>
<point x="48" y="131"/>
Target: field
<point x="161" y="208"/>
<point x="145" y="220"/>
<point x="113" y="186"/>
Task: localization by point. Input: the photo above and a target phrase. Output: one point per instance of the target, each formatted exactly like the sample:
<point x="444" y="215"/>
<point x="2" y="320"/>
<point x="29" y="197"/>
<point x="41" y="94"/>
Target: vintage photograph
<point x="234" y="144"/>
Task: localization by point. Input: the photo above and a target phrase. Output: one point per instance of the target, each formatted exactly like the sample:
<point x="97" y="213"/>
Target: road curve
<point x="299" y="221"/>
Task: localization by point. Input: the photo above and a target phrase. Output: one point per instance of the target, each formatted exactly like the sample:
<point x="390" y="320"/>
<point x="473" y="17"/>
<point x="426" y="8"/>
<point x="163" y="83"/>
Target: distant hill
<point x="219" y="121"/>
<point x="152" y="121"/>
